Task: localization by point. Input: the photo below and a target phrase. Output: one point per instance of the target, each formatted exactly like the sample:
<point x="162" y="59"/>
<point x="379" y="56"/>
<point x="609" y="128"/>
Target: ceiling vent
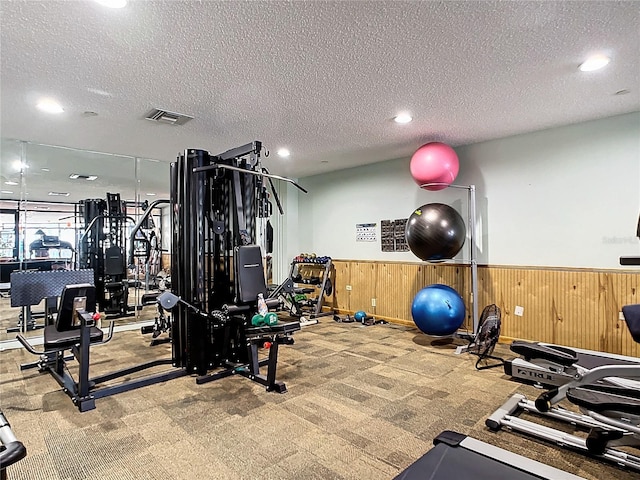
<point x="164" y="116"/>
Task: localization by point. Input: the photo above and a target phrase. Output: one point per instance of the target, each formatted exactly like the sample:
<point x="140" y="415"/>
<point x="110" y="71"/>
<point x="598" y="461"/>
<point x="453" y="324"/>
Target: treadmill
<point x="457" y="456"/>
<point x="11" y="450"/>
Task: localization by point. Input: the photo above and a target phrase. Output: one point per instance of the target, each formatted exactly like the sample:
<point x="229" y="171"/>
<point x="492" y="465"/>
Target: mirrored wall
<point x="64" y="210"/>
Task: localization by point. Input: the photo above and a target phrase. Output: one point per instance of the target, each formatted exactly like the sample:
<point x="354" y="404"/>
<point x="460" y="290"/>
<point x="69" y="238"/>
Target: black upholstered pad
<point x="249" y="274"/>
<point x="600" y="398"/>
<point x="56" y="340"/>
<point x="561" y="356"/>
<point x="632" y="317"/>
<point x="272" y="303"/>
<point x="65" y="319"/>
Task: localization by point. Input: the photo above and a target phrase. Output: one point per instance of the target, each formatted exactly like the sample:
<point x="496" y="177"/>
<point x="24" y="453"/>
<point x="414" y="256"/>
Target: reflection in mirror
<point x="51" y="226"/>
<point x="13" y="192"/>
<point x="149" y="250"/>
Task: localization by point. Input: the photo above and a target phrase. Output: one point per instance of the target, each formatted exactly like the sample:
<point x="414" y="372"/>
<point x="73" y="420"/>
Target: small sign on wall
<point x="366" y="232"/>
<point x="392" y="236"/>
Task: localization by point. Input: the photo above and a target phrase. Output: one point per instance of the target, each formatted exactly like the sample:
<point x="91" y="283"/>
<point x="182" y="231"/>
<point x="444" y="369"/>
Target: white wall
<point x="286" y="231"/>
<point x="566" y="197"/>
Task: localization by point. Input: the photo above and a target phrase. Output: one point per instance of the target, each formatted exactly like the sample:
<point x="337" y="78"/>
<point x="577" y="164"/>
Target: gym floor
<point x="363" y="403"/>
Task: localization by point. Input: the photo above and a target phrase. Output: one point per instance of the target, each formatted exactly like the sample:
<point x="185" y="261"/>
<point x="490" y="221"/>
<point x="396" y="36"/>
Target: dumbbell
<point x="264" y="320"/>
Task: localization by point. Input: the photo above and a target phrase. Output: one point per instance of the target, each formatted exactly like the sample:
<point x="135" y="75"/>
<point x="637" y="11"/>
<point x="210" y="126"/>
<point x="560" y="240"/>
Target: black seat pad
<point x="559" y="355"/>
<point x="600" y="398"/>
<point x="56" y="340"/>
<point x="304" y="290"/>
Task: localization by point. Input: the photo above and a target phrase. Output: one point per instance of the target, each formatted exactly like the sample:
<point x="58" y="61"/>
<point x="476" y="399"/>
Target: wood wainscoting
<point x="574" y="307"/>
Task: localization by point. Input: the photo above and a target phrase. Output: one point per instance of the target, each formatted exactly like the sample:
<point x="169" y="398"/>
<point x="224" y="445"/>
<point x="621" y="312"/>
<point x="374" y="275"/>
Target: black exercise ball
<point x="435" y="231"/>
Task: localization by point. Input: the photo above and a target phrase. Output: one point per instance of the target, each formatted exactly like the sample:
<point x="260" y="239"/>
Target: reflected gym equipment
<point x="101" y="248"/>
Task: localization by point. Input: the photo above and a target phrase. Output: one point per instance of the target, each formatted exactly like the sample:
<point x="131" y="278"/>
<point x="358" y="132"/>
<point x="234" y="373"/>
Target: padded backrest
<point x="113" y="261"/>
<point x="249" y="274"/>
<point x="65" y="320"/>
<point x="632" y="317"/>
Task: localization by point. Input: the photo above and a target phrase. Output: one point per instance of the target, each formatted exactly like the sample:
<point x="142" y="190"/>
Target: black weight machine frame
<point x="216" y="268"/>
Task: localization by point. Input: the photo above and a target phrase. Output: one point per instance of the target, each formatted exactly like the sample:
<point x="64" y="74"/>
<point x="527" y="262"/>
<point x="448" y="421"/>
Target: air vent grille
<point x="165" y="116"/>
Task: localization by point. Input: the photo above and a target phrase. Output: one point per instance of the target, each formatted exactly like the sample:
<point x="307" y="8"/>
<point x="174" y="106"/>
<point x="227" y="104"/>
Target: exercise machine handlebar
<point x="95" y="219"/>
<point x="138" y="225"/>
<point x="215" y="166"/>
<point x="25" y="343"/>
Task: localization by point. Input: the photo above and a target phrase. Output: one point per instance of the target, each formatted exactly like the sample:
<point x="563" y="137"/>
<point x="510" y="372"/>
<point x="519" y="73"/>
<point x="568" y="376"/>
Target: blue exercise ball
<point x="438" y="310"/>
<point x="360" y="315"/>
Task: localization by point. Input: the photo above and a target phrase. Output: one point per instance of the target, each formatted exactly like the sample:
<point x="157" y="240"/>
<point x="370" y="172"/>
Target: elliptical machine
<point x="605" y="387"/>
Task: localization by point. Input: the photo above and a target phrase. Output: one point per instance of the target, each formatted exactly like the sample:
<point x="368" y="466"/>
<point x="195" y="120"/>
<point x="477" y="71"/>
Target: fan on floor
<point x="486" y="339"/>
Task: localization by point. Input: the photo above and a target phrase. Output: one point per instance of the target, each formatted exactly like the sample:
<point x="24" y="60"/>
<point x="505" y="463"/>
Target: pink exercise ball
<point x="434" y="162"/>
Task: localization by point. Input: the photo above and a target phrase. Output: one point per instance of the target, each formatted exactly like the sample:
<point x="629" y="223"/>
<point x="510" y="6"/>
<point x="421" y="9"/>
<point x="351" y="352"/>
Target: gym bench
<point x="75" y="330"/>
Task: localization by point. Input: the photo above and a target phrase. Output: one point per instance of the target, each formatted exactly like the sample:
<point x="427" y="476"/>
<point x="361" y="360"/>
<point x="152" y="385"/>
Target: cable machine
<point x="101" y="247"/>
<point x="218" y="204"/>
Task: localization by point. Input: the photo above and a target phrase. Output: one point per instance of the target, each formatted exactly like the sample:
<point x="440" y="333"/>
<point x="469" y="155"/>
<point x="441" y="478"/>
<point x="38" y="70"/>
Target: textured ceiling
<point x="321" y="78"/>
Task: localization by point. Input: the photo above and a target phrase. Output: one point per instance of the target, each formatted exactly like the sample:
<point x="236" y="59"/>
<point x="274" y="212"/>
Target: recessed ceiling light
<point x="595" y="62"/>
<point x="45" y="169"/>
<point x="324" y="161"/>
<point x="112" y="3"/>
<point x="402" y="118"/>
<point x="58" y="194"/>
<point x="284" y="153"/>
<point x="151" y="194"/>
<point x="10" y="182"/>
<point x="19" y="165"/>
<point x="97" y="91"/>
<point x="76" y="176"/>
<point x="49" y="105"/>
<point x="6" y="191"/>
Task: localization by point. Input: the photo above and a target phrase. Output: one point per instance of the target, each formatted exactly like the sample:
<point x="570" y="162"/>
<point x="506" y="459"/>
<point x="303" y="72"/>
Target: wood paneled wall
<point x="574" y="307"/>
<point x="166" y="262"/>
